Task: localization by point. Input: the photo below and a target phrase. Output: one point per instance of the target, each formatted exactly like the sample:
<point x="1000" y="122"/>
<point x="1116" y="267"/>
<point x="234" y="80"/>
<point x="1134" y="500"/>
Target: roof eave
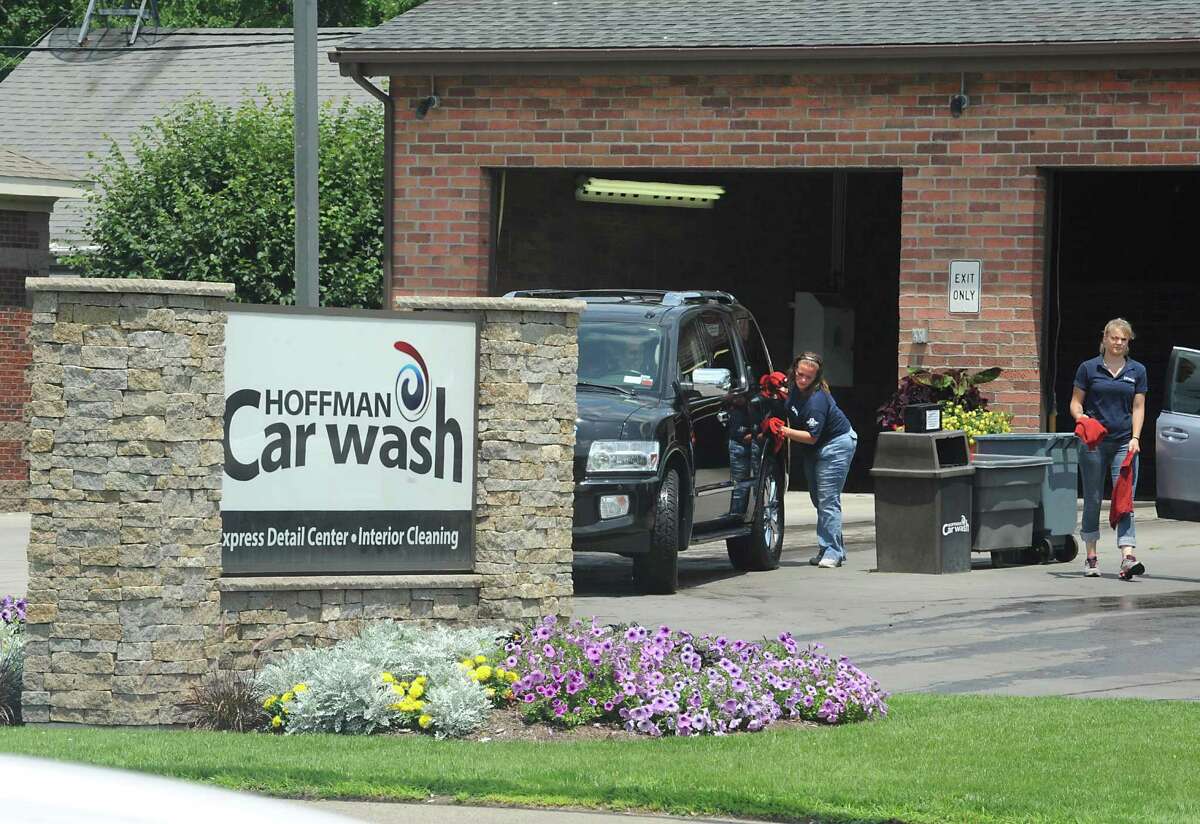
<point x="737" y="60"/>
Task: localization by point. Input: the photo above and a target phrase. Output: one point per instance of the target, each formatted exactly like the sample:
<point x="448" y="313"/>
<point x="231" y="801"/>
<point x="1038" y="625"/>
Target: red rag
<point x="1090" y="431"/>
<point x="774" y="427"/>
<point x="1122" y="495"/>
<point x="772" y="384"/>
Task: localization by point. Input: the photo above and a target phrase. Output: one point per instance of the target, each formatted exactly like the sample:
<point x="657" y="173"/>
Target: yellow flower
<point x="396" y="688"/>
<point x="467" y="663"/>
<point x="509" y="694"/>
<point x="416" y="691"/>
<point x="425" y="721"/>
<point x="276" y="722"/>
<point x="396" y="707"/>
<point x="420" y="679"/>
<point x="500" y="672"/>
<point x="388" y="678"/>
<point x="480" y="659"/>
<point x="512" y="677"/>
<point x="403" y="685"/>
<point x="287" y="696"/>
<point x="489" y="692"/>
<point x="299" y="688"/>
<point x="483" y="673"/>
<point x="270" y="702"/>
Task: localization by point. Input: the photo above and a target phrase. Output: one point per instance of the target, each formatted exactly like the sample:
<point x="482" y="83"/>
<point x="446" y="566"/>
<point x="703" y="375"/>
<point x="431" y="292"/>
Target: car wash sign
<point x="349" y="443"/>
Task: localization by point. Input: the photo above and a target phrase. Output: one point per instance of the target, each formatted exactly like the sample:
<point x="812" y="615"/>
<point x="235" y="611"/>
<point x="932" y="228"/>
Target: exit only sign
<point x="965" y="283"/>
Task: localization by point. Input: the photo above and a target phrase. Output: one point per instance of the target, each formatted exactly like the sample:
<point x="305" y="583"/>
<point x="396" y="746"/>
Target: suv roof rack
<point x="664" y="297"/>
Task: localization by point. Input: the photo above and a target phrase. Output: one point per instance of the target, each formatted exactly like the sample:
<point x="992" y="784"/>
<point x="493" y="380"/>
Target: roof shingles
<point x="655" y="24"/>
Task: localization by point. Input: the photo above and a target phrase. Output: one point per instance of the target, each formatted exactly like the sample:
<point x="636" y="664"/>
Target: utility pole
<point x="304" y="27"/>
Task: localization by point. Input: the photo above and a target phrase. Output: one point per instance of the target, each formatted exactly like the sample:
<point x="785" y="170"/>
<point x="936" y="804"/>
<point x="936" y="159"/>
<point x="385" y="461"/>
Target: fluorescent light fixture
<point x="643" y="193"/>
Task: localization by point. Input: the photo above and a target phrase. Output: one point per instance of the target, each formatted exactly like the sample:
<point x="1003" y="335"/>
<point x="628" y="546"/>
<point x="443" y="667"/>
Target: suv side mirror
<point x="712" y="383"/>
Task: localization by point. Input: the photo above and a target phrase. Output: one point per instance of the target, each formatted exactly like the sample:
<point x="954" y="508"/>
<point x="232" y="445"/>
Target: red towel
<point x="772" y="385"/>
<point x="1090" y="431"/>
<point x="774" y="427"/>
<point x="1122" y="496"/>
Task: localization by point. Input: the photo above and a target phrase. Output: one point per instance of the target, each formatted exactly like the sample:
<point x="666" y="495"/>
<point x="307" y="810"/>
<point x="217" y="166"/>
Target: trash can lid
<point x="1013" y="461"/>
<point x="948" y="472"/>
<point x="1027" y="436"/>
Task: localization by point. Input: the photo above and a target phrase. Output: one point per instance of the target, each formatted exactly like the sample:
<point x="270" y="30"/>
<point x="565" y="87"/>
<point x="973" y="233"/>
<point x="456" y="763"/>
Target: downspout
<point x="389" y="180"/>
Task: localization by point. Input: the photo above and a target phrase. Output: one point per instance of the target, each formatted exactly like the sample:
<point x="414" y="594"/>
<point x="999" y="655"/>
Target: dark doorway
<point x="1120" y="247"/>
<point x="832" y="236"/>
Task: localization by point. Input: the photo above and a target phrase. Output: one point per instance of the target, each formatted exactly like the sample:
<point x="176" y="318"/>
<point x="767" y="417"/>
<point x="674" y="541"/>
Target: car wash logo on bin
<point x="961" y="525"/>
<point x="412" y="383"/>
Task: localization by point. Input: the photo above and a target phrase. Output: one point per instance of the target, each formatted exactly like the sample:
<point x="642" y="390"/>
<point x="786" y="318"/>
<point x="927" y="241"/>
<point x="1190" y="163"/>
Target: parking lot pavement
<point x="1022" y="630"/>
<point x="14" y="537"/>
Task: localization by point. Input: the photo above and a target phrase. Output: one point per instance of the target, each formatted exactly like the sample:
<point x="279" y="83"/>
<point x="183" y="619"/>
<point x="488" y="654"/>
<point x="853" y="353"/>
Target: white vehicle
<point x="1177" y="444"/>
<point x="54" y="792"/>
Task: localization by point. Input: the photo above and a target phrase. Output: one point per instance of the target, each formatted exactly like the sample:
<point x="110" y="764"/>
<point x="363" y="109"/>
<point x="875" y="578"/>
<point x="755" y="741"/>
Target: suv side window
<point x="692" y="354"/>
<point x="758" y="363"/>
<point x="720" y="344"/>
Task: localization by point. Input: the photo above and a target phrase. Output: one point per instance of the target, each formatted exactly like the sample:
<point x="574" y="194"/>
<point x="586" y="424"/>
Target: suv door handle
<point x="723" y="417"/>
<point x="1174" y="433"/>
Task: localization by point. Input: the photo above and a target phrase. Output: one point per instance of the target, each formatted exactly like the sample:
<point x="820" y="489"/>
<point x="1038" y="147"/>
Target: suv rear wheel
<point x="657" y="572"/>
<point x="760" y="549"/>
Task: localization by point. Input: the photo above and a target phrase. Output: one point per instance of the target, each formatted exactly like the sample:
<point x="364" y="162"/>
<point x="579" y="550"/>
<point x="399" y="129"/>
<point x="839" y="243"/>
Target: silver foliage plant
<point x="345" y="693"/>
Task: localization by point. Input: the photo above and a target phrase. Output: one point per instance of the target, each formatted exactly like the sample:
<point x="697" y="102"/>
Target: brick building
<point x="28" y="190"/>
<point x="862" y="147"/>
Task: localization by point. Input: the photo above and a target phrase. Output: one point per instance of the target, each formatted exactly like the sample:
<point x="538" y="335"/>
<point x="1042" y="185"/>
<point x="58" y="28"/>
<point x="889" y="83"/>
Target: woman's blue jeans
<point x="826" y="469"/>
<point x="1092" y="465"/>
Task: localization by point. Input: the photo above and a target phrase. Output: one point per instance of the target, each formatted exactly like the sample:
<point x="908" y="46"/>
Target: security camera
<point x="958" y="102"/>
<point x="427" y="103"/>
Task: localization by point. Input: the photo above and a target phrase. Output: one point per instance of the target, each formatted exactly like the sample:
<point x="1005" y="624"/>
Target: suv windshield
<point x="624" y="355"/>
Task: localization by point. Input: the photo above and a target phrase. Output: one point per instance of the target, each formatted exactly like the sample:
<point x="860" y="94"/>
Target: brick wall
<point x="23" y="253"/>
<point x="971" y="185"/>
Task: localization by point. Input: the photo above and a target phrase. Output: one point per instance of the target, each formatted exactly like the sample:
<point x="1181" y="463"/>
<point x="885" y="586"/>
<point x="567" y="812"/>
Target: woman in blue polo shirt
<point x="1110" y="388"/>
<point x="827" y="442"/>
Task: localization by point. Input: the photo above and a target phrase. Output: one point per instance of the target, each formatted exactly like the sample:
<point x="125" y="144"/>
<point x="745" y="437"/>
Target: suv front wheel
<point x="657" y="572"/>
<point x="760" y="550"/>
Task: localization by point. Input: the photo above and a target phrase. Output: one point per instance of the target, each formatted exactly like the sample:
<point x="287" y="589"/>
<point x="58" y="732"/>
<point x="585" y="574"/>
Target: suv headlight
<point x="623" y="456"/>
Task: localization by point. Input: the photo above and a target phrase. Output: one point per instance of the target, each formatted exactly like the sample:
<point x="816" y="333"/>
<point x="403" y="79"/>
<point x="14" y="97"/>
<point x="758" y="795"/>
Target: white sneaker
<point x="828" y="563"/>
<point x="1091" y="567"/>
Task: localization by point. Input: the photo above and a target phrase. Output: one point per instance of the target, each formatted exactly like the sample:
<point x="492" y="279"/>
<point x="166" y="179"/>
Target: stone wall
<point x="127" y="603"/>
<point x="524" y="503"/>
<point x="125" y="482"/>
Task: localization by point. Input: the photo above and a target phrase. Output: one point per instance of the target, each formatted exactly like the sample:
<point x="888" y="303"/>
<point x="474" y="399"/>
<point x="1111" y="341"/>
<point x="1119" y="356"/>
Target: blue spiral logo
<point x="412" y="383"/>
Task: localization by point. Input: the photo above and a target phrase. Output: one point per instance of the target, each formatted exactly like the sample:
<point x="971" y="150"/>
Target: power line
<point x="195" y="47"/>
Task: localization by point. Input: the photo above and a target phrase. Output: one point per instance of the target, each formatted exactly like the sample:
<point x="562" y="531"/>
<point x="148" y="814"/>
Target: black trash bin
<point x="1006" y="499"/>
<point x="922" y="502"/>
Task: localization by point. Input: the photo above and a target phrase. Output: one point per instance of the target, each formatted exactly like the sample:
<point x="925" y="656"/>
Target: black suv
<point x="666" y="382"/>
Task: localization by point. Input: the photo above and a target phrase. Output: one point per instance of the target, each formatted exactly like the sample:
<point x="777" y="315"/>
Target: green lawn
<point x="936" y="759"/>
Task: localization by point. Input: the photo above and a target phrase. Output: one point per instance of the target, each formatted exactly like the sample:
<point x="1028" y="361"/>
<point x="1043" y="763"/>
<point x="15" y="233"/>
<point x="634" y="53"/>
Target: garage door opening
<point x="814" y="255"/>
<point x="1121" y="246"/>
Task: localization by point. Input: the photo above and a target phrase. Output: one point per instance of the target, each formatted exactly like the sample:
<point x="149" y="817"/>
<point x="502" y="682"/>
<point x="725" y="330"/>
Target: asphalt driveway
<point x="1024" y="630"/>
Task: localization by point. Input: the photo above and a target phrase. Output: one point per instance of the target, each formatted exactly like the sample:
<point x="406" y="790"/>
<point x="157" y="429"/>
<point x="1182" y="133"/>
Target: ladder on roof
<point x="140" y="14"/>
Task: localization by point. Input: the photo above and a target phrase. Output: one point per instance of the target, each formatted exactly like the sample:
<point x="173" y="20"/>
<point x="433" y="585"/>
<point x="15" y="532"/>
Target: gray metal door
<point x="1177" y="442"/>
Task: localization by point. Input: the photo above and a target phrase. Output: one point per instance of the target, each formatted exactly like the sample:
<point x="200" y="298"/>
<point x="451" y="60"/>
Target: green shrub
<point x="208" y="195"/>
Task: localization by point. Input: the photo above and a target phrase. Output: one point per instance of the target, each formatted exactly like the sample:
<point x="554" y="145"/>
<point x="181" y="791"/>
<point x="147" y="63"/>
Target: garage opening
<point x="814" y="255"/>
<point x="1121" y="246"/>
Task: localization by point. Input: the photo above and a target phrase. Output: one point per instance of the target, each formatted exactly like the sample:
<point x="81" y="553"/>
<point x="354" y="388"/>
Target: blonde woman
<point x="1111" y="389"/>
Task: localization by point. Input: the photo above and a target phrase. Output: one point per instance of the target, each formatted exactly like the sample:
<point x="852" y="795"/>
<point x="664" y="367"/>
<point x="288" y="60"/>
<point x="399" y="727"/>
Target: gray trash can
<point x="1055" y="520"/>
<point x="1006" y="497"/>
<point x="922" y="502"/>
